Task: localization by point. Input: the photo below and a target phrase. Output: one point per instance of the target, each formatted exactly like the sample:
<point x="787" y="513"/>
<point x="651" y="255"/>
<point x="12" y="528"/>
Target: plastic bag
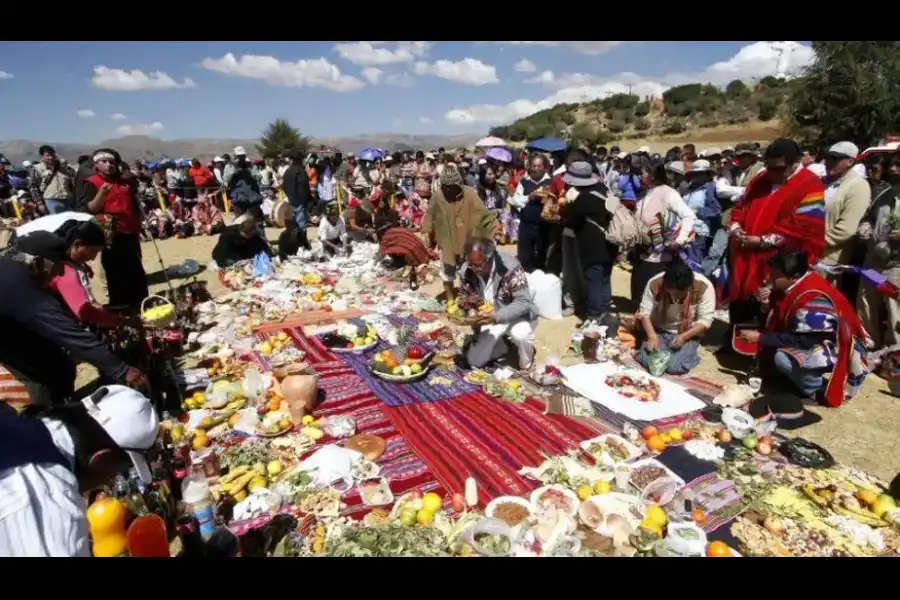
<point x="262" y="265"/>
<point x="658" y="362"/>
<point x="546" y="294"/>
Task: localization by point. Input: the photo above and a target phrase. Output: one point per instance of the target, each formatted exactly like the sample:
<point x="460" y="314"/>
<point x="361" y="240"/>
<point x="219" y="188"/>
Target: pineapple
<point x="404" y="336"/>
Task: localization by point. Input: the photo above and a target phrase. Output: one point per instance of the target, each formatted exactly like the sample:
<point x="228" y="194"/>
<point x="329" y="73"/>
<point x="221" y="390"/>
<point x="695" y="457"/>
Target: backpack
<point x="625" y="230"/>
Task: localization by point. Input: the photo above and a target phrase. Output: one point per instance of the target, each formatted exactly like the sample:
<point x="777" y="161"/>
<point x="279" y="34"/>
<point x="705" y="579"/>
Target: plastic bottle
<point x="199" y="503"/>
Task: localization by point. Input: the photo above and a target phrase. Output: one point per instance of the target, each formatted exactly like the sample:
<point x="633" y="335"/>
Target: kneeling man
<point x="497" y="280"/>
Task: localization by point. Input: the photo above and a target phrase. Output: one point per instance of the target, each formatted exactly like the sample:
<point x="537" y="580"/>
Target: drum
<point x="281" y="213"/>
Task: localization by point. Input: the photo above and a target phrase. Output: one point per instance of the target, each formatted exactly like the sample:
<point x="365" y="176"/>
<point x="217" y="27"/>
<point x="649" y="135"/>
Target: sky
<point x="91" y="91"/>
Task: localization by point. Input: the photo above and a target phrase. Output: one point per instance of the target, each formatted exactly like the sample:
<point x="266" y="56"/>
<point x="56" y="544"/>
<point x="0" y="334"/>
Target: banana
<point x="241" y="482"/>
<point x="312" y="433"/>
<point x="233" y="474"/>
<point x="236" y="404"/>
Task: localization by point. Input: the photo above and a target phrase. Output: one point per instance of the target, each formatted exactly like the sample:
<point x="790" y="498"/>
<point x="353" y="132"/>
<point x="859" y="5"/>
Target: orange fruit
<point x="699" y="516"/>
<point x="275" y="403"/>
<point x="718" y="550"/>
<point x="648" y="432"/>
<point x="656" y="443"/>
<point x="867" y="497"/>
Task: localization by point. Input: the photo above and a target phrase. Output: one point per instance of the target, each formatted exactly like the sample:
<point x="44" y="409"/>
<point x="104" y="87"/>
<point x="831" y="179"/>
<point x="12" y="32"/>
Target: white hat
<point x="676" y="166"/>
<point x="844" y="150"/>
<point x="482" y="161"/>
<point x="26" y="164"/>
<point x="239" y="151"/>
<point x="643" y="150"/>
<point x="818" y="169"/>
<point x="429" y="155"/>
<point x="699" y="166"/>
<point x="130" y="420"/>
<point x="218" y="159"/>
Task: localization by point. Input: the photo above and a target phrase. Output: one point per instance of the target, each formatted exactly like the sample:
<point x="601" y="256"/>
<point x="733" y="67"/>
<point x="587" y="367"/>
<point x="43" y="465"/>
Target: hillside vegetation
<point x="681" y="109"/>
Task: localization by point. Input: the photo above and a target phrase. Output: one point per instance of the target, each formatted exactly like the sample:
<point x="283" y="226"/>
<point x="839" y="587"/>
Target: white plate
<point x="615" y="503"/>
<point x="574" y="502"/>
<point x="400" y="379"/>
<point x="493" y="504"/>
<point x="354" y="350"/>
<point x="633" y="451"/>
<point x="653" y="462"/>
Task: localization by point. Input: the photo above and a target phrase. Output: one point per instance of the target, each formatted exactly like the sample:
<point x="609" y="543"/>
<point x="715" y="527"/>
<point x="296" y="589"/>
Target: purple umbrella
<point x="499" y="154"/>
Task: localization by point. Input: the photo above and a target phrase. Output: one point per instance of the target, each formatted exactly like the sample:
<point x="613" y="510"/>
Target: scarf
<point x="784" y="311"/>
<point x="795" y="211"/>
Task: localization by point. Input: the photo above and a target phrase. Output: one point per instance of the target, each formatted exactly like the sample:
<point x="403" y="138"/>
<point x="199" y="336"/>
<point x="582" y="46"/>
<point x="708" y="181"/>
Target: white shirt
<point x="329" y="232"/>
<point x="267" y="176"/>
<point x="41" y="509"/>
<point x="174" y="178"/>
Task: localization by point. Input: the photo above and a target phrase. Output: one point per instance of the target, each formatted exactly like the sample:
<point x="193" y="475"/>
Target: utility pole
<point x="629" y="89"/>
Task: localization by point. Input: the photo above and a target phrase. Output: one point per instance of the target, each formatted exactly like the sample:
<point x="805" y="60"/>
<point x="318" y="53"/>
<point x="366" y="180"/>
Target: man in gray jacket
<point x="53" y="182"/>
<point x="491" y="278"/>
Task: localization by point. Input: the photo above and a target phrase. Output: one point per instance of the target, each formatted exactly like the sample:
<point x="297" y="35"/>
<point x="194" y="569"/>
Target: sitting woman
<point x="291" y="240"/>
<point x="403" y="246"/>
<point x="206" y="216"/>
<point x="813" y="343"/>
<point x="332" y="231"/>
<point x="676" y="310"/>
<point x="239" y="242"/>
<point x="361" y="214"/>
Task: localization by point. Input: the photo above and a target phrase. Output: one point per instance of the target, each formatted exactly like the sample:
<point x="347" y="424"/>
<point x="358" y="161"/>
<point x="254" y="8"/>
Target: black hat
<point x="43" y="244"/>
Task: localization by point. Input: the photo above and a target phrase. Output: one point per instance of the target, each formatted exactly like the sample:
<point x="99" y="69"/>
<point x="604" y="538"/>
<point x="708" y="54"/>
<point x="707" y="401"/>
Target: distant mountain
<point x="137" y="146"/>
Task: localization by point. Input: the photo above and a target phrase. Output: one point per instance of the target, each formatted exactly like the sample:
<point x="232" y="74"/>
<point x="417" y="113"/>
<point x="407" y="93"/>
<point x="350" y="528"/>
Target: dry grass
<point x="862" y="433"/>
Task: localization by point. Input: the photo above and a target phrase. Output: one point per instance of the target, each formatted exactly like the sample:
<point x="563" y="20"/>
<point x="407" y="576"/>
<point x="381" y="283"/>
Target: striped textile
<point x="12" y="391"/>
<point x="398" y="241"/>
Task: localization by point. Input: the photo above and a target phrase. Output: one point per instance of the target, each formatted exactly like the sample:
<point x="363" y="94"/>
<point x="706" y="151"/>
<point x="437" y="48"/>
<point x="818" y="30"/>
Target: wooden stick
<point x="309" y="318"/>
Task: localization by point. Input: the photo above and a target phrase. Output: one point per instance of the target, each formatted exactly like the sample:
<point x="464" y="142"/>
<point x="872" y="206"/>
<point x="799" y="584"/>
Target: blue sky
<point x="59" y="92"/>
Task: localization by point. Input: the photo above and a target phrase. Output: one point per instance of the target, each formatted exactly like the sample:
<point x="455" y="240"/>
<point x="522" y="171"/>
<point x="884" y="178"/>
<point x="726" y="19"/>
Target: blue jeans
<point x="301" y="216"/>
<point x="55" y="207"/>
<point x="808" y="381"/>
<point x="598" y="280"/>
<point x="682" y="360"/>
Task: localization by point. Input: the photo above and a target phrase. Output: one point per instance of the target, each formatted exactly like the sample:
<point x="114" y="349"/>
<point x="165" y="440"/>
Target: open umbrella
<point x="499" y="154"/>
<point x="370" y="154"/>
<point x="547" y="145"/>
<point x="490" y="142"/>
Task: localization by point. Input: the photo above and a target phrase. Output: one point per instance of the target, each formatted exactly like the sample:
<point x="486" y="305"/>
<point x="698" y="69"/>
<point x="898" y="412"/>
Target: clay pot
<point x="298" y="387"/>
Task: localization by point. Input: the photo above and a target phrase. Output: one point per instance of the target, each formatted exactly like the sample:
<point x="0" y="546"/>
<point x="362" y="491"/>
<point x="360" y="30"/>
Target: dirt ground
<point x="862" y="433"/>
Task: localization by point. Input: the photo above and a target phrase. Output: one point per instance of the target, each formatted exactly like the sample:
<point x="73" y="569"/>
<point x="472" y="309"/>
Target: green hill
<point x="681" y="110"/>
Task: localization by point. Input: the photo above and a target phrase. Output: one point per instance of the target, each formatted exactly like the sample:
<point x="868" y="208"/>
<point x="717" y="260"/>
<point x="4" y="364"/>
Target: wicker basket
<point x="161" y="315"/>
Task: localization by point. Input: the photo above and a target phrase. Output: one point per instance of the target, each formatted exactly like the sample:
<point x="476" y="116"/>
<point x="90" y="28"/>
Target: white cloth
<point x="51" y="223"/>
<point x="329" y="232"/>
<point x="174" y="177"/>
<point x="41" y="509"/>
<point x="489" y="345"/>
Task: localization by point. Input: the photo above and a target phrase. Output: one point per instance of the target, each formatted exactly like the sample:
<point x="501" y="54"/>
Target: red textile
<point x="764" y="211"/>
<point x="72" y="291"/>
<point x="399" y="241"/>
<point x="118" y="202"/>
<point x="782" y="313"/>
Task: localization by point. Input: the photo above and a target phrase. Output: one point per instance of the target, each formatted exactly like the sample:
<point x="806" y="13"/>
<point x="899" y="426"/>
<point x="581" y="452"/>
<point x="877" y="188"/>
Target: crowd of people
<point x="699" y="230"/>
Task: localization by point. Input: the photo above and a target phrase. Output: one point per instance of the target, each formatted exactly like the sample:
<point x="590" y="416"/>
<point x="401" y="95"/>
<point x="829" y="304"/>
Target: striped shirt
<point x="41" y="509"/>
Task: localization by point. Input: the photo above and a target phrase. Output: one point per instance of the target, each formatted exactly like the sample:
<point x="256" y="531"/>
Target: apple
<point x="415" y="352"/>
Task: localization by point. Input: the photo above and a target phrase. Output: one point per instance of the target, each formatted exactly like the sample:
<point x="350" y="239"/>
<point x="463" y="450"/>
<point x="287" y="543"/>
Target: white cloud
<point x="470" y="71"/>
<point x="86" y="113"/>
<point x="372" y="53"/>
<point x="590" y="48"/>
<point x="425" y="120"/>
<point x="120" y="80"/>
<point x="139" y="128"/>
<point x="317" y="72"/>
<point x="752" y="62"/>
<point x="5" y="75"/>
<point x="117" y="117"/>
<point x="525" y="66"/>
<point x="398" y="122"/>
<point x="400" y="80"/>
<point x="372" y="74"/>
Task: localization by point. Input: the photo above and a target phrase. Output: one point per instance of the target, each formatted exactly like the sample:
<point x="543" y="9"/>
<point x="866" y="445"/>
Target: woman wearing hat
<point x="109" y="195"/>
<point x="700" y="197"/>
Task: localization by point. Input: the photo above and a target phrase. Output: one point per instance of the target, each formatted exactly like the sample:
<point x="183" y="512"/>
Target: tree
<point x="583" y="132"/>
<point x="280" y="139"/>
<point x="768" y="108"/>
<point x="851" y="92"/>
<point x="737" y="89"/>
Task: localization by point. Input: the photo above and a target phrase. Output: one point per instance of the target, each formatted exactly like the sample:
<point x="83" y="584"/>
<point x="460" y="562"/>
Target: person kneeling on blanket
<point x="491" y="279"/>
<point x="813" y="345"/>
<point x="676" y="310"/>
